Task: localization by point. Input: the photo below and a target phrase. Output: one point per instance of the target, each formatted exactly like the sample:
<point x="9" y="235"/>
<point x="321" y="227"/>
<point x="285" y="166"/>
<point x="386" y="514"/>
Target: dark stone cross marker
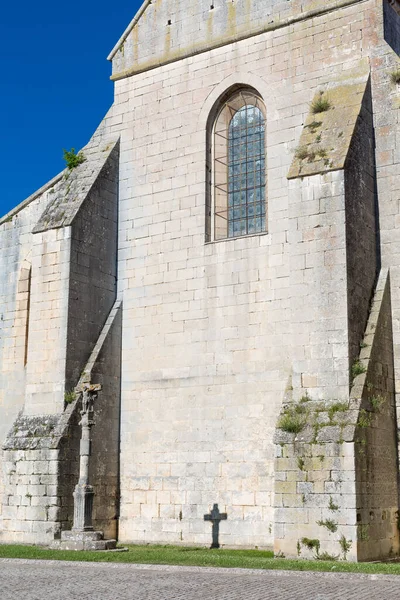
<point x="216" y="517"/>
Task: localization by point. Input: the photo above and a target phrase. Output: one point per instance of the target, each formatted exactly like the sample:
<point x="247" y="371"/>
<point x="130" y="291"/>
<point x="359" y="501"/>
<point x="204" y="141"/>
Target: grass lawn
<point x="202" y="557"/>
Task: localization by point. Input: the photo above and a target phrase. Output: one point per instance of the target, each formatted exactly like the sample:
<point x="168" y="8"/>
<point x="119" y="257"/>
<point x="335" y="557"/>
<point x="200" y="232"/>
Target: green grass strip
<point x="200" y="557"/>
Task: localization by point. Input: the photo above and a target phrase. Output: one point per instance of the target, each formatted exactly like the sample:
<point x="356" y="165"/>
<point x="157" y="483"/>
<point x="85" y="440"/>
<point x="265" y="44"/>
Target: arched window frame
<point x="219" y="205"/>
<point x="23" y="304"/>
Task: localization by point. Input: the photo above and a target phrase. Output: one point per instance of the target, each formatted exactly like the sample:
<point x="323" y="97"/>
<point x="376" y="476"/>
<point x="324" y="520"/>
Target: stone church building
<point x="225" y="263"/>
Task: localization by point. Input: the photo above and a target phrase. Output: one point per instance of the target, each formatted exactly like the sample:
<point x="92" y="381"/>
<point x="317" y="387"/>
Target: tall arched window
<point x="237" y="204"/>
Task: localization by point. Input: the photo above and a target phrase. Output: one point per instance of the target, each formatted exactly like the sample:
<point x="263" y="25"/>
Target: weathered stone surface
<point x="44" y="451"/>
<point x="345" y="471"/>
<point x="75" y="187"/>
<point x="171" y="31"/>
<point x="31" y="433"/>
<point x="43" y="578"/>
<point x="214" y="338"/>
<point x="83" y="540"/>
<point x="326" y="137"/>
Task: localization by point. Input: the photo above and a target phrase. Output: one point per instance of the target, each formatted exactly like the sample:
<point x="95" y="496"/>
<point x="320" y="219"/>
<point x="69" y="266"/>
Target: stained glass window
<point x="239" y="204"/>
<point x="246" y="172"/>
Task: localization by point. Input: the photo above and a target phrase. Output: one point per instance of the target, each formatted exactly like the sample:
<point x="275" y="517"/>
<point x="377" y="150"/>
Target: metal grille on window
<point x="239" y="167"/>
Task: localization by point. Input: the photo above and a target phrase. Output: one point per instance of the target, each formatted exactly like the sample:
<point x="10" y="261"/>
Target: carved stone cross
<point x="215" y="517"/>
<point x="83" y="494"/>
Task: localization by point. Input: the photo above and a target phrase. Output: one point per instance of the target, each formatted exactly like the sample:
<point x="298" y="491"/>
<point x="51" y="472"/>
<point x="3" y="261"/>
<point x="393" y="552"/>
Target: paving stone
<point x="57" y="580"/>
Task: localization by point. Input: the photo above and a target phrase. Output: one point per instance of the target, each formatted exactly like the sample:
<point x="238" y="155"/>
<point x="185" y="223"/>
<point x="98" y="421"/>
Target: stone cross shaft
<point x="215" y="517"/>
<point x="83" y="494"/>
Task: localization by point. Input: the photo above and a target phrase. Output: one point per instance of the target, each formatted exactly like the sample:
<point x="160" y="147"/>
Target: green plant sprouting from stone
<point x="311" y="153"/>
<point x="395" y="76"/>
<point x="363" y="532"/>
<point x="345" y="545"/>
<point x="305" y="398"/>
<point x="377" y="403"/>
<point x="300" y="463"/>
<point x="73" y="159"/>
<point x="293" y="419"/>
<point x="364" y="419"/>
<point x="332" y="506"/>
<point x="69" y="396"/>
<point x="311" y="544"/>
<point x="314" y="126"/>
<point x="357" y="368"/>
<point x="329" y="524"/>
<point x="296" y="417"/>
<point x="327" y="556"/>
<point x="302" y="152"/>
<point x="336" y="408"/>
<point x="320" y="104"/>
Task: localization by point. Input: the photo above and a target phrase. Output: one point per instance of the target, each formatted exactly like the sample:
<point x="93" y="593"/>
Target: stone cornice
<point x="152" y="64"/>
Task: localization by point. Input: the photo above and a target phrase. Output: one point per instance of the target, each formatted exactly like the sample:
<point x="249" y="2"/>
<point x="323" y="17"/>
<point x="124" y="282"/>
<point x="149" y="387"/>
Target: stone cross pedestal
<point x="83" y="494"/>
<point x="215" y="517"/>
<point x="82" y="536"/>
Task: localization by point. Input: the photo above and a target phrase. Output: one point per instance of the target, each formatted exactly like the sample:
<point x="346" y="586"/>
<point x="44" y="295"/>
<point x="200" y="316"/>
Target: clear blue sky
<point x="54" y="86"/>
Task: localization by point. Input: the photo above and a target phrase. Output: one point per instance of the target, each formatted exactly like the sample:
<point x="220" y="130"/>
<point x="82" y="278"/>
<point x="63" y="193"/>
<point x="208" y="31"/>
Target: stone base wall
<point x="376" y="467"/>
<point x="336" y="480"/>
<point x="41" y="456"/>
<point x="315" y="490"/>
<point x="37" y="474"/>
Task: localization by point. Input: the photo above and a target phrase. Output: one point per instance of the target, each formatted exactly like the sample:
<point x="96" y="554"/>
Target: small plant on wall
<point x="357" y="368"/>
<point x="395" y="76"/>
<point x="320" y="104"/>
<point x="345" y="545"/>
<point x="69" y="396"/>
<point x="73" y="159"/>
<point x="294" y="418"/>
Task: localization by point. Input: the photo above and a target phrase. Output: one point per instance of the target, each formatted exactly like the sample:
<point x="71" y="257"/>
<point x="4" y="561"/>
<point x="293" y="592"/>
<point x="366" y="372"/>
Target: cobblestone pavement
<point x="54" y="580"/>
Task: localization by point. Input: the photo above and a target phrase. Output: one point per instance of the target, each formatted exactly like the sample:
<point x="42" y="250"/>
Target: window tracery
<point x="238" y="203"/>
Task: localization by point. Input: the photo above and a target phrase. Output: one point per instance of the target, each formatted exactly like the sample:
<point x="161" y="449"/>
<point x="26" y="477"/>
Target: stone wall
<point x="104" y="473"/>
<point x="216" y="336"/>
<point x="92" y="268"/>
<point x="45" y="369"/>
<point x="62" y="322"/>
<point x="16" y="242"/>
<point x="41" y="456"/>
<point x="216" y="332"/>
<point x="361" y="228"/>
<point x="315" y="495"/>
<point x="317" y="282"/>
<point x="377" y="487"/>
<point x="386" y="104"/>
<point x="168" y="31"/>
<point x="336" y="481"/>
<point x="40" y="465"/>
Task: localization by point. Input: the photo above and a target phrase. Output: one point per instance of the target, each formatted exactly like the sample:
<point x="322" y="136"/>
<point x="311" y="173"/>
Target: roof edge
<point x="53" y="216"/>
<point x="31" y="198"/>
<point x="310" y="14"/>
<point x="129" y="29"/>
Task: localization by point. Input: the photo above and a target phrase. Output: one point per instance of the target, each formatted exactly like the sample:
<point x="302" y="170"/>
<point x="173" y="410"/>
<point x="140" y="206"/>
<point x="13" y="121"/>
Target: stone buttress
<point x="72" y="338"/>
